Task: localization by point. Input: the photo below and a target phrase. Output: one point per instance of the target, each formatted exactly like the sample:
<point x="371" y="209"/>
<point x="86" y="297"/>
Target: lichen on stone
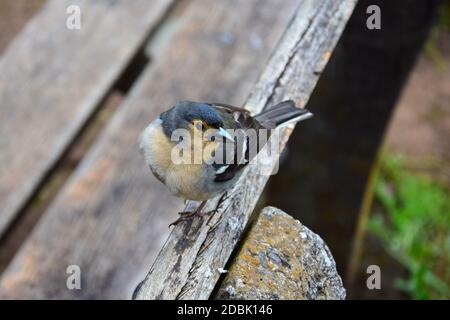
<point x="282" y="259"/>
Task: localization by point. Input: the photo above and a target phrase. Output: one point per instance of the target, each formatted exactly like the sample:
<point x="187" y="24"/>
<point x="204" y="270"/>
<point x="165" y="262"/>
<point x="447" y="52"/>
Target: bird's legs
<point x="188" y="215"/>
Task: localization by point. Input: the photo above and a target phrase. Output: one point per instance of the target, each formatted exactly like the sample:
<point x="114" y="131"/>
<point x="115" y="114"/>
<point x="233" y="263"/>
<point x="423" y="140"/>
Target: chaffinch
<point x="174" y="133"/>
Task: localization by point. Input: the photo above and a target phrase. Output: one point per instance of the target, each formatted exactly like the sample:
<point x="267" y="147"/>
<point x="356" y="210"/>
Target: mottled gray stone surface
<point x="282" y="259"/>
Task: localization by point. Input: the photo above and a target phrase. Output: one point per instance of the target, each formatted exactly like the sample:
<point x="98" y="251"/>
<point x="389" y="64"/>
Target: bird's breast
<point x="156" y="148"/>
<point x="194" y="181"/>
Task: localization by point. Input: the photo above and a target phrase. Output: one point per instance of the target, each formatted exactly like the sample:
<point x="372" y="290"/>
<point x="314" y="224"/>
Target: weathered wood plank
<point x="51" y="81"/>
<point x="112" y="216"/>
<point x="187" y="266"/>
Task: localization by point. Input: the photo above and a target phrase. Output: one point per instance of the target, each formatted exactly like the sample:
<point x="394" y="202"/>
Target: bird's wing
<point x="228" y="107"/>
<point x="228" y="170"/>
<point x="263" y="123"/>
<point x="235" y="119"/>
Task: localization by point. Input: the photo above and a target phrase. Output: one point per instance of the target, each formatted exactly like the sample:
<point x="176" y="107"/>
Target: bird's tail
<point x="282" y="114"/>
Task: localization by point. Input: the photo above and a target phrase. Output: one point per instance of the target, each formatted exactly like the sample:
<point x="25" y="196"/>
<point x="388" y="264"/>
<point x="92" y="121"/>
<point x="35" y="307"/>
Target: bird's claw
<point x="184" y="216"/>
<point x="185" y="213"/>
<point x="188" y="215"/>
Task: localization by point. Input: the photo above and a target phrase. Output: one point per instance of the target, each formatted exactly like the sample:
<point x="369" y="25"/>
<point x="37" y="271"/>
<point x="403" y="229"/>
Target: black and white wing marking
<point x="240" y="158"/>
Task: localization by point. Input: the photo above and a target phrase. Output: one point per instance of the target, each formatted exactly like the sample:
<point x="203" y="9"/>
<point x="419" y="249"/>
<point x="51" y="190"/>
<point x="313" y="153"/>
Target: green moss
<point x="440" y="29"/>
<point x="414" y="228"/>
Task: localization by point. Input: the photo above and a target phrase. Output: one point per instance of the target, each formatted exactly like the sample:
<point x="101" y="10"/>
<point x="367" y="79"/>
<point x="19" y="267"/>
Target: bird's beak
<point x="224" y="133"/>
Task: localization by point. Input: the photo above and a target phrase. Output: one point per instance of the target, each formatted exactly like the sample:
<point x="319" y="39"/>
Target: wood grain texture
<point x="187" y="266"/>
<point x="51" y="81"/>
<point x="112" y="216"/>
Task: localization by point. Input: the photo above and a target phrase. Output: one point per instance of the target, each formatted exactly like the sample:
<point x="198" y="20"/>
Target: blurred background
<point x="402" y="218"/>
<point x="373" y="184"/>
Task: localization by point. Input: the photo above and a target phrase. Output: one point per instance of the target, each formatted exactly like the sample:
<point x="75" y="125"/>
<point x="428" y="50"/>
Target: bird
<point x="173" y="133"/>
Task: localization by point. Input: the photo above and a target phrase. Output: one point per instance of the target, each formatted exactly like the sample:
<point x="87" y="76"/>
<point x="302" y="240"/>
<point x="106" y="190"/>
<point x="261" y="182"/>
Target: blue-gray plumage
<point x="207" y="179"/>
<point x="184" y="112"/>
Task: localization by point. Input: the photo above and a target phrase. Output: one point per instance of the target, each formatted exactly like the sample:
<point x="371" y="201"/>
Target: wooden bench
<point x="112" y="215"/>
<point x="52" y="80"/>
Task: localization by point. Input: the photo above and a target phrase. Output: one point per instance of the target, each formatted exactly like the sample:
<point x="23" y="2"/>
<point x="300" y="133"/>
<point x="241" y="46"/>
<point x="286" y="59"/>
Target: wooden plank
<point x="53" y="78"/>
<point x="187" y="266"/>
<point x="112" y="217"/>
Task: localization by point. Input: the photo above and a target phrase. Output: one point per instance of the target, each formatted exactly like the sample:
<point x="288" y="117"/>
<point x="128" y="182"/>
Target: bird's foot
<point x="188" y="215"/>
<point x="184" y="216"/>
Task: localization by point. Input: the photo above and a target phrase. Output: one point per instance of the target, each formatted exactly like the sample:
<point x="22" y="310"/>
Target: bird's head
<point x="194" y="117"/>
